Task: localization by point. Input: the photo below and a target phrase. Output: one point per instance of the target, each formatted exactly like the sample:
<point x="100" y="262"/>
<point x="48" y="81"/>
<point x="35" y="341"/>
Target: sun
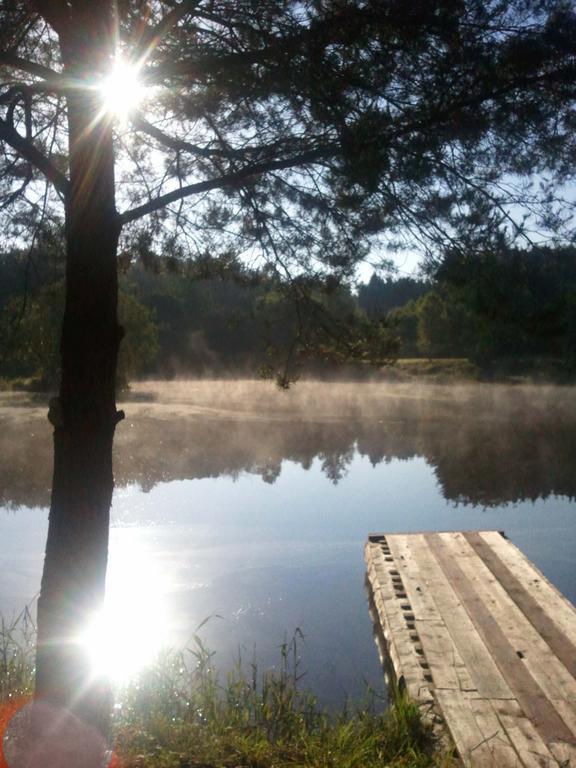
<point x="135" y="624"/>
<point x="122" y="89"/>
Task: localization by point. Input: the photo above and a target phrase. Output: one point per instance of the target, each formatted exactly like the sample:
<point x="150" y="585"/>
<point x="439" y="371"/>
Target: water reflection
<point x="487" y="445"/>
<point x="253" y="504"/>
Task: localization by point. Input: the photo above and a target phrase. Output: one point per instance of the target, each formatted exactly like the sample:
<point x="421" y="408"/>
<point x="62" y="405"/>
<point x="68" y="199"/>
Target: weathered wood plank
<point x="438" y="648"/>
<point x="395" y="622"/>
<point x="492" y="640"/>
<point x="465" y="732"/>
<point x="564" y="753"/>
<point x="477" y="743"/>
<point x="495" y="734"/>
<point x="558" y="609"/>
<point x="557" y="640"/>
<point x="533" y="653"/>
<point x="483" y="671"/>
<point x="532" y="751"/>
<point x="527" y="691"/>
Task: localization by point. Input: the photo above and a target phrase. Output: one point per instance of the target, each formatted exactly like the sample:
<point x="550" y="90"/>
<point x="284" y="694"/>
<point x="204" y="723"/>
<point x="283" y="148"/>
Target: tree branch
<point x="334" y="23"/>
<point x="245" y="153"/>
<point x="33" y="155"/>
<point x="31" y="67"/>
<point x="438" y="117"/>
<point x="152" y="37"/>
<point x="140" y="124"/>
<point x="228" y="179"/>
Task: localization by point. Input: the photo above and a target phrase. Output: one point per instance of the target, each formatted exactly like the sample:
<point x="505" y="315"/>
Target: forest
<point x="511" y="310"/>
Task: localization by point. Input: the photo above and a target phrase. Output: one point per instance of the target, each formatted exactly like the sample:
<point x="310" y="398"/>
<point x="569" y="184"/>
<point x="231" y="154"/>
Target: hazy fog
<point x="487" y="444"/>
<point x="253" y="504"/>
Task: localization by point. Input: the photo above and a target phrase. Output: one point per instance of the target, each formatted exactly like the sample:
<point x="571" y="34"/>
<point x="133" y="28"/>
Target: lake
<point x="249" y="506"/>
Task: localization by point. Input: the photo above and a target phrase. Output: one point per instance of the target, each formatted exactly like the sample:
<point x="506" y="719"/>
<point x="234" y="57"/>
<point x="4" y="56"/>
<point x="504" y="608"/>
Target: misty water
<point x="250" y="505"/>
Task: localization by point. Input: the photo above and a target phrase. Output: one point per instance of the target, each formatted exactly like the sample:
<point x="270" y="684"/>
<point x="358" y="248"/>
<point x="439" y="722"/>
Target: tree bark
<point x="84" y="415"/>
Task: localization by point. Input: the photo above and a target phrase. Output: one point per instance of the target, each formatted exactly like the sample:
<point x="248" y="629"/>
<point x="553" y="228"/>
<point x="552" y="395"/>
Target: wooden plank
<point x="549" y="673"/>
<point x="560" y="610"/>
<point x="495" y="734"/>
<point x="404" y="658"/>
<point x="395" y="622"/>
<point x="483" y="671"/>
<point x="532" y="751"/>
<point x="557" y="607"/>
<point x="531" y="697"/>
<point x="492" y="640"/>
<point x="438" y="648"/>
<point x="474" y="748"/>
<point x="557" y="640"/>
<point x="564" y="753"/>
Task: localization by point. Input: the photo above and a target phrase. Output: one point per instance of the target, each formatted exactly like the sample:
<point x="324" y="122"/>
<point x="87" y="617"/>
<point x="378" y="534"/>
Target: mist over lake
<point x="251" y="505"/>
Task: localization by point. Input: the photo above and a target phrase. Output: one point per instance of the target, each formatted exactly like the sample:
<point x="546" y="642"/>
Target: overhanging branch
<point x="248" y="153"/>
<point x="179" y="145"/>
<point x="465" y="100"/>
<point x="332" y="26"/>
<point x="152" y="36"/>
<point x="228" y="179"/>
<point x="31" y="67"/>
<point x="33" y="155"/>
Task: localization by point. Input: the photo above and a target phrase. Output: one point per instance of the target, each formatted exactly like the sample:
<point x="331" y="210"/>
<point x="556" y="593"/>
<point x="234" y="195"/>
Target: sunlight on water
<point x="250" y="506"/>
<point x="134" y="625"/>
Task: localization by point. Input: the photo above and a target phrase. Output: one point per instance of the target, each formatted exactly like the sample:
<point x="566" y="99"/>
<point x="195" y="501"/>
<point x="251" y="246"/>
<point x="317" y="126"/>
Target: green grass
<point x="180" y="713"/>
<point x="17" y="648"/>
<point x="19" y="384"/>
<point x="439" y="370"/>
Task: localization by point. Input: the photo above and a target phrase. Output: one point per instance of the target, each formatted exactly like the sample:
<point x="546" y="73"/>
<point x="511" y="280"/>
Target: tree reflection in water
<point x="488" y="445"/>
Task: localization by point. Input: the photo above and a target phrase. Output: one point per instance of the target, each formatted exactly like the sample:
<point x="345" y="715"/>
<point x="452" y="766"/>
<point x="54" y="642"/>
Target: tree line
<point x="217" y="317"/>
<point x="508" y="304"/>
<point x="211" y="316"/>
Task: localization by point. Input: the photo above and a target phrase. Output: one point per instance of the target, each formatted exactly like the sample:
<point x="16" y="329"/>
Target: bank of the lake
<point x="415" y="370"/>
<point x="181" y="713"/>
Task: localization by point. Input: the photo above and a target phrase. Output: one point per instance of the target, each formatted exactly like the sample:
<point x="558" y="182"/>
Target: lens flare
<point x="122" y="90"/>
<point x="40" y="734"/>
<point x="134" y="625"/>
<point x="8" y="710"/>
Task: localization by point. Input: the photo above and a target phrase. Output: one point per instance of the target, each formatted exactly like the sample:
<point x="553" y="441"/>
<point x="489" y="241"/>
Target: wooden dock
<point x="482" y="641"/>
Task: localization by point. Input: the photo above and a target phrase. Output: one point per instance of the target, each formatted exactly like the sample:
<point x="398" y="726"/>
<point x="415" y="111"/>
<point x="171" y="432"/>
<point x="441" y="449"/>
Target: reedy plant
<point x="17" y="648"/>
<point x="180" y="712"/>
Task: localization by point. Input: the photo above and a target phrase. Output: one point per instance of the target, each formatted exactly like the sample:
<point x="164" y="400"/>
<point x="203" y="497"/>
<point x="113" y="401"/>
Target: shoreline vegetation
<point x="405" y="370"/>
<point x="505" y="317"/>
<point x="181" y="713"/>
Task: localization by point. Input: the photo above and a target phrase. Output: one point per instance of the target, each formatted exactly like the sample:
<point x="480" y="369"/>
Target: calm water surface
<point x="251" y="506"/>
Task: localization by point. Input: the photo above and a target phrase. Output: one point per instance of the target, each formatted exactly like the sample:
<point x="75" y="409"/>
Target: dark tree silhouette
<point x="295" y="132"/>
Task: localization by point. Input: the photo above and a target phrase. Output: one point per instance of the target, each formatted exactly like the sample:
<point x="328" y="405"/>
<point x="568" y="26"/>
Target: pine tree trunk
<point x="84" y="415"/>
